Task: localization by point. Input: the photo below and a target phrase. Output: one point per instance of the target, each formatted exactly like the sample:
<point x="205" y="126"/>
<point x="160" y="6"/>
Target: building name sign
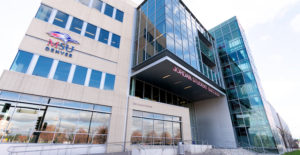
<point x="195" y="80"/>
<point x="61" y="48"/>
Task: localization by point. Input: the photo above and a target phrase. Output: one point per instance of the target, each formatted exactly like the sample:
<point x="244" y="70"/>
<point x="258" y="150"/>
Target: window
<point x="62" y="71"/>
<point x="109" y="10"/>
<point x="43" y="67"/>
<point x="85" y="2"/>
<point x="115" y="42"/>
<point x="76" y="25"/>
<point x="109" y="82"/>
<point x="97" y="4"/>
<point x="79" y="75"/>
<point x="119" y="15"/>
<point x="103" y="36"/>
<point x="21" y="62"/>
<point x="43" y="13"/>
<point x="90" y="31"/>
<point x="95" y="79"/>
<point x="61" y="19"/>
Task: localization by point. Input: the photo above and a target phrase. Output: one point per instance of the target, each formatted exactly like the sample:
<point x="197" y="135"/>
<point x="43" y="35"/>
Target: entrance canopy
<point x="166" y="72"/>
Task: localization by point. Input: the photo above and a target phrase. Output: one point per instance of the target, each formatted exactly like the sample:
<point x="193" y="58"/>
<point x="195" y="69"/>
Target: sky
<point x="272" y="28"/>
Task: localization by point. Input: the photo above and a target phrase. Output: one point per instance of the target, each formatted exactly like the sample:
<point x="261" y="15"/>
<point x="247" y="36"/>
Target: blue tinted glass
<point x="102" y="108"/>
<point x="108" y="10"/>
<point x="97" y="4"/>
<point x="43" y="13"/>
<point x="62" y="71"/>
<point x="95" y="79"/>
<point x="79" y="75"/>
<point x="115" y="41"/>
<point x="61" y="19"/>
<point x="103" y="36"/>
<point x="90" y="31"/>
<point x="76" y="25"/>
<point x="119" y="15"/>
<point x="21" y="62"/>
<point x="43" y="67"/>
<point x="109" y="82"/>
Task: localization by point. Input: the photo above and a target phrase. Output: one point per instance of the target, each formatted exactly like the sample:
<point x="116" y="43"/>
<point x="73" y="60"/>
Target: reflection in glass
<point x="61" y="19"/>
<point x="90" y="31"/>
<point x="43" y="13"/>
<point x="62" y="71"/>
<point x="21" y="62"/>
<point x="79" y="75"/>
<point x="95" y="79"/>
<point x="76" y="25"/>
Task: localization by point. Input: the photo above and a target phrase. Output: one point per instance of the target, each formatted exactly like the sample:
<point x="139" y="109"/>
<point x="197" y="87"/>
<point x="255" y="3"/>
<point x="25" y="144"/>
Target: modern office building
<point x="106" y="71"/>
<point x="255" y="121"/>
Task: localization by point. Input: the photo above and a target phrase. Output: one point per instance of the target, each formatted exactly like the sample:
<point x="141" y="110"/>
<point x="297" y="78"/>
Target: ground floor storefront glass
<point x="155" y="129"/>
<point x="34" y="119"/>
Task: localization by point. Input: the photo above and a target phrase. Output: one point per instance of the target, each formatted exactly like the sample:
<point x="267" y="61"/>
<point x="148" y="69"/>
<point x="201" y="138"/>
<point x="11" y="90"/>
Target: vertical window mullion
<point x="71" y="74"/>
<point x="68" y="25"/>
<point x="32" y="64"/>
<point x="103" y="7"/>
<point x="91" y="3"/>
<point x="97" y="33"/>
<point x="109" y="38"/>
<point x="102" y="80"/>
<point x="114" y="13"/>
<point x="52" y="16"/>
<point x="83" y="28"/>
<point x="88" y="76"/>
<point x="53" y="69"/>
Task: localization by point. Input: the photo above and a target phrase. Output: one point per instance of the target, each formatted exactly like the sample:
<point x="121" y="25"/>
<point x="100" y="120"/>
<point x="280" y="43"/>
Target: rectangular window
<point x="109" y="82"/>
<point x="85" y="2"/>
<point x="43" y="13"/>
<point x="90" y="31"/>
<point x="62" y="71"/>
<point x="119" y="15"/>
<point x="115" y="42"/>
<point x="95" y="79"/>
<point x="79" y="75"/>
<point x="97" y="4"/>
<point x="43" y="67"/>
<point x="61" y="19"/>
<point x="108" y="10"/>
<point x="21" y="62"/>
<point x="76" y="25"/>
<point x="103" y="36"/>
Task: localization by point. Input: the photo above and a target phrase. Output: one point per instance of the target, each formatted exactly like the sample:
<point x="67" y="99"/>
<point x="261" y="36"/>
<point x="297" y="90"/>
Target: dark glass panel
<point x="43" y="67"/>
<point x="61" y="19"/>
<point x="62" y="71"/>
<point x="76" y="25"/>
<point x="79" y="75"/>
<point x="43" y="13"/>
<point x="109" y="83"/>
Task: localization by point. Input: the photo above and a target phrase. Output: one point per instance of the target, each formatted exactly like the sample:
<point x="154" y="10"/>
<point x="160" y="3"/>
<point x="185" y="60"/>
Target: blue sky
<point x="272" y="28"/>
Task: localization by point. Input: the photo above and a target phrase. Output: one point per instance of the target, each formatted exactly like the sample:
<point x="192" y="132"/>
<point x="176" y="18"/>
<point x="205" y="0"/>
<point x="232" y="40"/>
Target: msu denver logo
<point x="60" y="48"/>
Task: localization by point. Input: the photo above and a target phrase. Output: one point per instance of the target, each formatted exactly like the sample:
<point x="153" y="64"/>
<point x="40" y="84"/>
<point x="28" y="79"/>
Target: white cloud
<point x="295" y="23"/>
<point x="265" y="37"/>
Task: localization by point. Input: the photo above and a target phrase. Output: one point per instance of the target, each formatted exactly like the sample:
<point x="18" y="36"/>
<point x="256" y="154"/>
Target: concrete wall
<point x="214" y="122"/>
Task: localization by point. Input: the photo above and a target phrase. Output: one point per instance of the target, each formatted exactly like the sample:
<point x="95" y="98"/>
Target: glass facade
<point x="155" y="129"/>
<point x="244" y="98"/>
<point x="34" y="119"/>
<point x="167" y="25"/>
<point x="21" y="62"/>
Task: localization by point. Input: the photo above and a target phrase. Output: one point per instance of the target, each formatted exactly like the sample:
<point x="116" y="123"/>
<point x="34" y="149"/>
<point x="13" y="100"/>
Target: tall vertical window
<point x="76" y="25"/>
<point x="85" y="2"/>
<point x="90" y="31"/>
<point x="43" y="13"/>
<point x="62" y="71"/>
<point x="95" y="79"/>
<point x="119" y="15"/>
<point x="115" y="42"/>
<point x="79" y="75"/>
<point x="21" y="62"/>
<point x="109" y="10"/>
<point x="109" y="82"/>
<point x="61" y="19"/>
<point x="43" y="67"/>
<point x="103" y="36"/>
<point x="97" y="4"/>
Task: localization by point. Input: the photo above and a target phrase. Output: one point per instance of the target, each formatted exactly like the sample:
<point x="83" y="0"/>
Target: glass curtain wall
<point x="167" y="25"/>
<point x="245" y="101"/>
<point x="34" y="119"/>
<point x="155" y="129"/>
